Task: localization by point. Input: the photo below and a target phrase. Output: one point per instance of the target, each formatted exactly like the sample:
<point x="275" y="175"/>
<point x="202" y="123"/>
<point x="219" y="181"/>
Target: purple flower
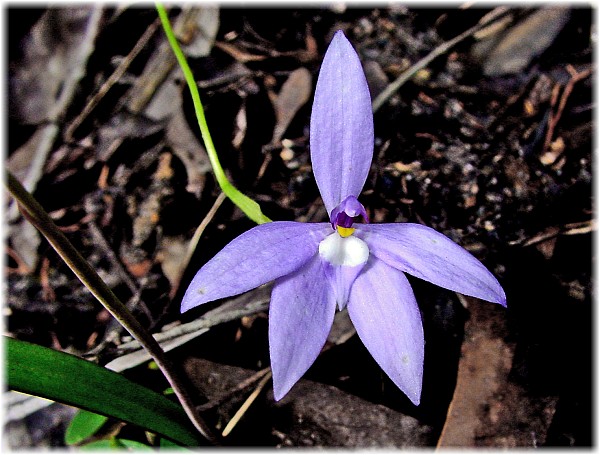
<point x="345" y="263"/>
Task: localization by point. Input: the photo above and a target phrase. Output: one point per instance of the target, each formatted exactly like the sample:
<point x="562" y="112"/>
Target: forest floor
<point x="489" y="143"/>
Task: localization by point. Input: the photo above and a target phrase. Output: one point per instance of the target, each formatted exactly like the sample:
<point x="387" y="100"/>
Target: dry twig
<point x="555" y="117"/>
<point x="391" y="89"/>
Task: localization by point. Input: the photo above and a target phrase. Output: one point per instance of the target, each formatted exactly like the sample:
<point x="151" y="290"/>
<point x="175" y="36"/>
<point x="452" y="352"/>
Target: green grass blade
<point x="61" y="377"/>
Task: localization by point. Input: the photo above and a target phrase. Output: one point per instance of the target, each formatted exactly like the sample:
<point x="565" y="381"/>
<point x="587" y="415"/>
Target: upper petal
<point x="425" y="253"/>
<point x="264" y="253"/>
<point x="341" y="125"/>
<point x="384" y="311"/>
<point x="300" y="318"/>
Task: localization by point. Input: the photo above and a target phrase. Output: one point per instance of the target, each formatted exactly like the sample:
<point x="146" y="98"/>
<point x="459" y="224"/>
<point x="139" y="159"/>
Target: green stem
<point x="36" y="214"/>
<point x="247" y="205"/>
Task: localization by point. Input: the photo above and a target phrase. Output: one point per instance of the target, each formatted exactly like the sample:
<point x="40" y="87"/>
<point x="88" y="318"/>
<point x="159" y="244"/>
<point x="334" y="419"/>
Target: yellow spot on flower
<point x="345" y="232"/>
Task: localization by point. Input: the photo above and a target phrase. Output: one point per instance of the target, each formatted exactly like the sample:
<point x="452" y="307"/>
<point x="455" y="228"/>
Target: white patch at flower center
<point x="347" y="251"/>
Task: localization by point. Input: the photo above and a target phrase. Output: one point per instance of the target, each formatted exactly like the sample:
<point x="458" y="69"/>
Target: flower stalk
<point x="247" y="205"/>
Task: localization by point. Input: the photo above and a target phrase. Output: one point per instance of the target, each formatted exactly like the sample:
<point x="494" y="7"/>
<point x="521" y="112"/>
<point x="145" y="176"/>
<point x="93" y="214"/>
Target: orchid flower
<point x="347" y="262"/>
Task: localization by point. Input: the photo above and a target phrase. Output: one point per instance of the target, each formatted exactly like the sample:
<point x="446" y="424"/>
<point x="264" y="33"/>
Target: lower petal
<point x="300" y="318"/>
<point x="386" y="316"/>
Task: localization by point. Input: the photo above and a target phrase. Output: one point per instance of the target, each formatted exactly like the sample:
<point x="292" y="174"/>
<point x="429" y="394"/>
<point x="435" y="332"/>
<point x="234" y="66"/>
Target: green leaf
<point x="249" y="206"/>
<point x="115" y="444"/>
<point x="130" y="444"/>
<point x="167" y="444"/>
<point x="83" y="425"/>
<point x="102" y="444"/>
<point x="68" y="379"/>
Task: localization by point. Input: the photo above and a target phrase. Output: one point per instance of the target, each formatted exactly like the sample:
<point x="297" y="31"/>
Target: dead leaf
<point x="171" y="257"/>
<point x="137" y="269"/>
<point x="147" y="213"/>
<point x="123" y="125"/>
<point x="377" y="78"/>
<point x="186" y="146"/>
<point x="494" y="28"/>
<point x="25" y="240"/>
<point x="55" y="56"/>
<point x="27" y="162"/>
<point x="294" y="93"/>
<point x="487" y="408"/>
<point x="204" y="32"/>
<point x="241" y="125"/>
<point x="238" y="54"/>
<point x="167" y="100"/>
<point x="521" y="43"/>
<point x="547" y="247"/>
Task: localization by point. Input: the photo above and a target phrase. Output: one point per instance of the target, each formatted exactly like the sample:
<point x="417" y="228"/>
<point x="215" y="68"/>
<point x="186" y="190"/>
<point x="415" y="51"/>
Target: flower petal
<point x="300" y="318"/>
<point x="384" y="311"/>
<point x="264" y="253"/>
<point x="425" y="253"/>
<point x="341" y="125"/>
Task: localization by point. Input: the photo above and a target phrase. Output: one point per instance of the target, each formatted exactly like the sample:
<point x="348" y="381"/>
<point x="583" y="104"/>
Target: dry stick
<point x="112" y="80"/>
<point x="440" y="50"/>
<point x="240" y="413"/>
<point x="35" y="213"/>
<point x="255" y="302"/>
<point x="22" y="267"/>
<point x="555" y="118"/>
<point x="581" y="227"/>
<point x="238" y="388"/>
<point x="110" y="254"/>
<point x="196" y="238"/>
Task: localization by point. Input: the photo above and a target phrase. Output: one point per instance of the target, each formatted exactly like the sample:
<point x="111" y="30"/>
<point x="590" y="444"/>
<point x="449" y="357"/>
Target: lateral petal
<point x="300" y="318"/>
<point x="262" y="254"/>
<point x="425" y="253"/>
<point x="341" y="125"/>
<point x="386" y="316"/>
